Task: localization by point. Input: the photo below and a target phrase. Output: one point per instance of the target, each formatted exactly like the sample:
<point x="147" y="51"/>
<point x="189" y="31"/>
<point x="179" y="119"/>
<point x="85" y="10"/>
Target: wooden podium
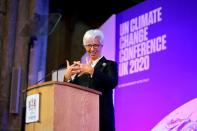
<point x="65" y="107"/>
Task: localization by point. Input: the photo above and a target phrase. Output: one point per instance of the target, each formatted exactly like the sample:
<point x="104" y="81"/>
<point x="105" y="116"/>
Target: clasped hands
<point x="77" y="68"/>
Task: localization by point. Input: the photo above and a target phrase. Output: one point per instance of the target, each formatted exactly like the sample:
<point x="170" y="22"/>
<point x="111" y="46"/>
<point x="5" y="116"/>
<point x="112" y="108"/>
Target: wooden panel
<point x="66" y="107"/>
<point x="3" y="6"/>
<point x="79" y="110"/>
<point x="46" y="109"/>
<point x="15" y="90"/>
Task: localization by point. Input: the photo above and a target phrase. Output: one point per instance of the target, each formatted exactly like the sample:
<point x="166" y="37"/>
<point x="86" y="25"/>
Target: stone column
<point x="8" y="18"/>
<point x="15" y="53"/>
<point x="38" y="49"/>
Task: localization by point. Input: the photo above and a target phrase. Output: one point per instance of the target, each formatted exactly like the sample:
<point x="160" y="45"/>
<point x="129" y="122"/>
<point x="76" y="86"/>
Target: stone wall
<point x="15" y="56"/>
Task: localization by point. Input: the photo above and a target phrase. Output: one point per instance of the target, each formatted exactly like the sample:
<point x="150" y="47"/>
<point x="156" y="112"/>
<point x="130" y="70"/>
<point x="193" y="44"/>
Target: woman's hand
<point x="71" y="70"/>
<point x="85" y="68"/>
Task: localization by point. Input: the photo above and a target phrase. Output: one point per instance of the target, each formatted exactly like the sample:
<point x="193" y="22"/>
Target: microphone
<point x="51" y="72"/>
<point x="48" y="74"/>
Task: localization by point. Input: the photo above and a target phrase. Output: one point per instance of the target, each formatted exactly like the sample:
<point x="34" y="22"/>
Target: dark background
<point x="65" y="43"/>
<point x="91" y="11"/>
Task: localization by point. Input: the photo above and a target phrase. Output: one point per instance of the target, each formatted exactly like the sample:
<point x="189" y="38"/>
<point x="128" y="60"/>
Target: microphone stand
<point x="48" y="74"/>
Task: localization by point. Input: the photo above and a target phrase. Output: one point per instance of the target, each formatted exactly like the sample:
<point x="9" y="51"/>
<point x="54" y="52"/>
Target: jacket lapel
<point x="101" y="64"/>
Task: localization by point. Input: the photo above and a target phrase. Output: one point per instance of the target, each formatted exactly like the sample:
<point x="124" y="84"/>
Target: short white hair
<point x="93" y="33"/>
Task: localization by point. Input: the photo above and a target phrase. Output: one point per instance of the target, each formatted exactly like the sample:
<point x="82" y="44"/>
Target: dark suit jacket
<point x="104" y="79"/>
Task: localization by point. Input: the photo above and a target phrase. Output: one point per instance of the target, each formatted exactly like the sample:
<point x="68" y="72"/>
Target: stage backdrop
<point x="156" y="49"/>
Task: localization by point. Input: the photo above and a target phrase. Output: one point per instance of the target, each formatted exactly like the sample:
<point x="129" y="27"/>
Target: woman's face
<point x="93" y="48"/>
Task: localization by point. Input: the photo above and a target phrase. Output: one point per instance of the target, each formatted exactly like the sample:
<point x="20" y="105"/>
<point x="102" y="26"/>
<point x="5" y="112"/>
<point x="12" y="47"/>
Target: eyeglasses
<point x="95" y="46"/>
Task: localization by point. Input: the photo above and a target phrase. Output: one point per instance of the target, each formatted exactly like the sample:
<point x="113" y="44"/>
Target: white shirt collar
<point x="95" y="62"/>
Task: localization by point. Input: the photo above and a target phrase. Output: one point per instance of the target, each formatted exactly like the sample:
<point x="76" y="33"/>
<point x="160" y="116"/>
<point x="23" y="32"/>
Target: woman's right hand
<point x="71" y="70"/>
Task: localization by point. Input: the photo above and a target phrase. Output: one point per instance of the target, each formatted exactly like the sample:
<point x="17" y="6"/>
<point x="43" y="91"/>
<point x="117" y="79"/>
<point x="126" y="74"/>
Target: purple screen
<point x="156" y="51"/>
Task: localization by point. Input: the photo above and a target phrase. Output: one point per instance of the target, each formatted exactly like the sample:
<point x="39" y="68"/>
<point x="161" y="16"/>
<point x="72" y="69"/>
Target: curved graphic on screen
<point x="184" y="118"/>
